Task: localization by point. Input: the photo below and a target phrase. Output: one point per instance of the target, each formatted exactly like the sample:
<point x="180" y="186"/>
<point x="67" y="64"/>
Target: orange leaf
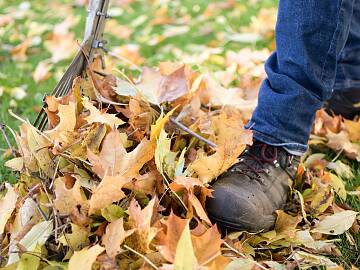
<point x="108" y="191"/>
<point x="114" y="160"/>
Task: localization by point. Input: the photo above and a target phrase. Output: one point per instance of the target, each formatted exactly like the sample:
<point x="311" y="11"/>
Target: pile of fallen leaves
<point x="120" y="178"/>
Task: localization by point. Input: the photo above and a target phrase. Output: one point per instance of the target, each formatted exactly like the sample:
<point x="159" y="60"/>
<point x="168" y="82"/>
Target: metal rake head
<point x="94" y="29"/>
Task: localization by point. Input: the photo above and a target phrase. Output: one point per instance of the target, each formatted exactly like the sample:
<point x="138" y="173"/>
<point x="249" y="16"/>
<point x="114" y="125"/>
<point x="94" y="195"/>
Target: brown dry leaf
<point x="353" y="128"/>
<point x="114" y="236"/>
<point x="61" y="45"/>
<point x="97" y="116"/>
<point x="85" y="258"/>
<point x="341" y="142"/>
<point x="67" y="116"/>
<point x="157" y="88"/>
<point x="129" y="52"/>
<point x="68" y="198"/>
<point x="18" y="53"/>
<point x="189" y="183"/>
<point x="141" y="220"/>
<point x="174" y="228"/>
<point x="7" y="206"/>
<point x="207" y="246"/>
<point x="108" y="191"/>
<point x="324" y="122"/>
<point x="114" y="160"/>
<point x="42" y="71"/>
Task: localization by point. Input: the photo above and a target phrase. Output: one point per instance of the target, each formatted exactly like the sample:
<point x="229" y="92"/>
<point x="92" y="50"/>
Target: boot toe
<point x="236" y="207"/>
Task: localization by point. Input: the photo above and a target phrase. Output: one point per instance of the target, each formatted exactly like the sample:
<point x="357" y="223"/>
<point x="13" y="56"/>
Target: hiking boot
<point x="248" y="194"/>
<point x="344" y="102"/>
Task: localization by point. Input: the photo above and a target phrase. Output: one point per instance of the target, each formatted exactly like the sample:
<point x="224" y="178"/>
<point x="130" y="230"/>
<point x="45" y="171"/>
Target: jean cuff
<point x="292" y="148"/>
<point x="346" y="84"/>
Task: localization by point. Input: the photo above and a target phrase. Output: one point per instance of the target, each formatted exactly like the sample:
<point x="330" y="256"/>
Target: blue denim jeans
<point x="317" y="52"/>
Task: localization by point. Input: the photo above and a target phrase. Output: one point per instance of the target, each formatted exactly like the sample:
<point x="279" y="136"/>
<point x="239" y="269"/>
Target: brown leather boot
<point x="247" y="195"/>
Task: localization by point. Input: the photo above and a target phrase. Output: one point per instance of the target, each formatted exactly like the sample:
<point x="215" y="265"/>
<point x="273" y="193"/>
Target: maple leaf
<point x="61" y="46"/>
<point x="18" y="53"/>
<point x="68" y="198"/>
<point x="189" y="183"/>
<point x="97" y="116"/>
<point x="157" y="88"/>
<point x="67" y="116"/>
<point x="85" y="258"/>
<point x="42" y="71"/>
<point x="231" y="140"/>
<point x="114" y="160"/>
<point x="184" y="256"/>
<point x="341" y="142"/>
<point x="337" y="223"/>
<point x="141" y="220"/>
<point x="207" y="246"/>
<point x="353" y="128"/>
<point x="38" y="145"/>
<point x="108" y="191"/>
<point x="174" y="228"/>
<point x="114" y="236"/>
<point x="7" y="206"/>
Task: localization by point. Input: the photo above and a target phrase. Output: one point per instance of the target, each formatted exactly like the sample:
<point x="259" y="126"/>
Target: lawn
<point x="206" y="34"/>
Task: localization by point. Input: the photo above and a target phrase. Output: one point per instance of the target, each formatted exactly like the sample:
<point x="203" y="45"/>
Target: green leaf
<point x="338" y="186"/>
<point x="29" y="261"/>
<point x="185" y="257"/>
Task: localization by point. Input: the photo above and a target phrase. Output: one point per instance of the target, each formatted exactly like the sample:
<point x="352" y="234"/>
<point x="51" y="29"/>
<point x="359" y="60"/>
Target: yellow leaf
<point x="108" y="191"/>
<point x="85" y="258"/>
<point x="16" y="164"/>
<point x="231" y="139"/>
<point x="97" y="116"/>
<point x="39" y="148"/>
<point x="185" y="257"/>
<point x="7" y="206"/>
<point x="159" y="125"/>
<point x="77" y="239"/>
<point x="338" y="186"/>
<point x="68" y="198"/>
<point x="114" y="160"/>
<point x="353" y="129"/>
<point x="114" y="236"/>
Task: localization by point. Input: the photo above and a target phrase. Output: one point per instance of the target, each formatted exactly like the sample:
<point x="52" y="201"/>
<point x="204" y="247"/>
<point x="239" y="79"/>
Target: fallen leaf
<point x="185" y="258"/>
<point x="207" y="246"/>
<point x="68" y="198"/>
<point x="108" y="191"/>
<point x="85" y="258"/>
<point x="174" y="228"/>
<point x="7" y="206"/>
<point x="141" y="220"/>
<point x="61" y="46"/>
<point x="114" y="236"/>
<point x="42" y="71"/>
<point x="157" y="88"/>
<point x="337" y="223"/>
<point x="97" y="116"/>
<point x="114" y="160"/>
<point x="353" y="128"/>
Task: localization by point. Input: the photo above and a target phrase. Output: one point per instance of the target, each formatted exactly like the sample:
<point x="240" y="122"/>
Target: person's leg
<point x="346" y="94"/>
<point x="310" y="35"/>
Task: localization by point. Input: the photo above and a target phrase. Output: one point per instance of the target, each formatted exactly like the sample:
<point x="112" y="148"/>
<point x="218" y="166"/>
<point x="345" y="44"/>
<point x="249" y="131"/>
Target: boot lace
<point x="253" y="161"/>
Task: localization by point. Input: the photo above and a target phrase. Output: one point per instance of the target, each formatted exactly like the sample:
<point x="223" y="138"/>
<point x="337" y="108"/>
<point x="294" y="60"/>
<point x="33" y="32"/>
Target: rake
<point x="92" y="42"/>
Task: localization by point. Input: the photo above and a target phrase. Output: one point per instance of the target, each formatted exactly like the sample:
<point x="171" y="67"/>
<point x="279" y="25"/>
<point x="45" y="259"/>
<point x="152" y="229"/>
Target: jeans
<point x="318" y="52"/>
